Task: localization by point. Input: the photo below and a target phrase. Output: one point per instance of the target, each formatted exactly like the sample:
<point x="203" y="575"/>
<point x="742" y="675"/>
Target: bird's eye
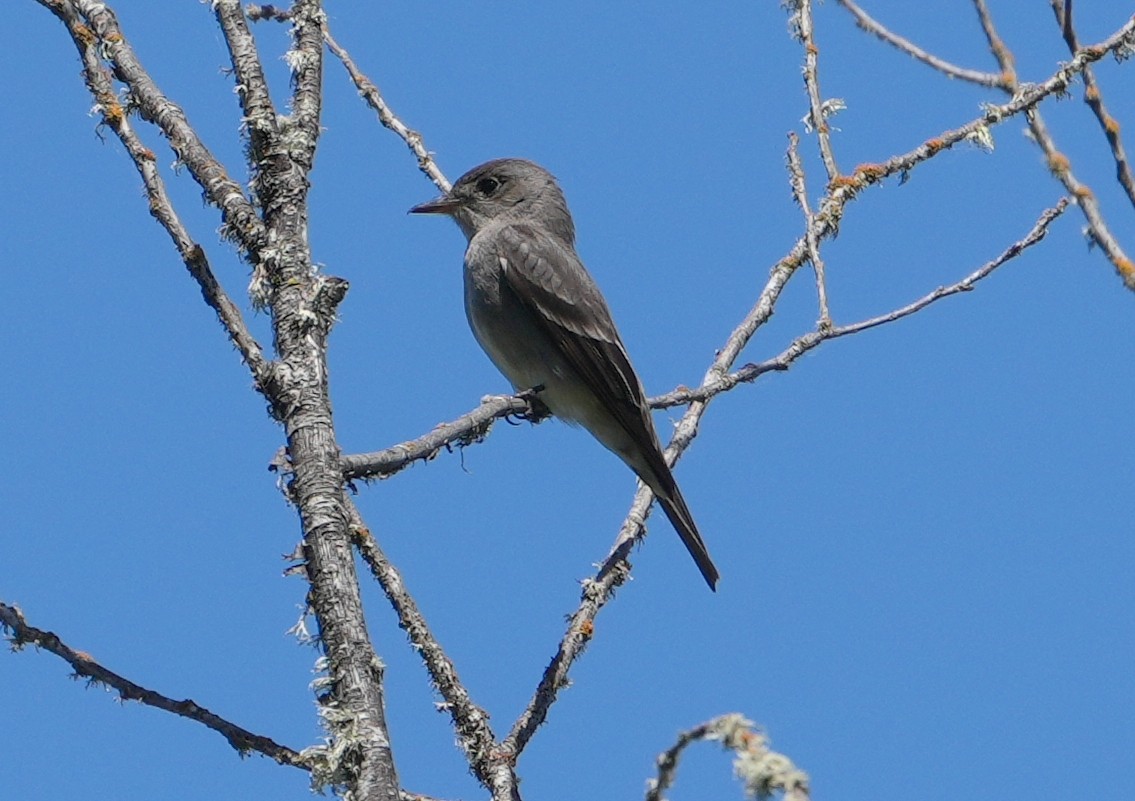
<point x="488" y="186"/>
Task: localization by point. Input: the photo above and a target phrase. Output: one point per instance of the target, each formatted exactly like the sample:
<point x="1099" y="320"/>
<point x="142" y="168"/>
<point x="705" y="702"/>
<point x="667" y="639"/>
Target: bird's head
<point x="505" y="190"/>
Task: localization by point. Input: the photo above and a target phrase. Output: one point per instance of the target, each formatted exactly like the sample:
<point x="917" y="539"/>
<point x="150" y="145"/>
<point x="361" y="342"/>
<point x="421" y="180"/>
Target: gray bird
<point x="538" y="314"/>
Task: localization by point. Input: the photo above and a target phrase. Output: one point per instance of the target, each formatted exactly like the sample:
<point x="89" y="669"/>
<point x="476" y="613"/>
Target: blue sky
<point x="924" y="530"/>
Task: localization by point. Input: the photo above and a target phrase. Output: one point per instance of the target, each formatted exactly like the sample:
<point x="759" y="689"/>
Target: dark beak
<point x="446" y="204"/>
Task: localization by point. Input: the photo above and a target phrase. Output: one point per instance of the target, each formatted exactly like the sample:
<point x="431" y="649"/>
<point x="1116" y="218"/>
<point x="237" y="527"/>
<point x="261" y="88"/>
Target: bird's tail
<point x="674" y="505"/>
<point x="646" y="458"/>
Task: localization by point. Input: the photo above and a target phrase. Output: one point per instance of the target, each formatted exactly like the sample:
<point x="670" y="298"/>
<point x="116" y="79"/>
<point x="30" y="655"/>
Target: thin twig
<point x="373" y="96"/>
<point x="812" y="339"/>
<point x="867" y="23"/>
<point x="1058" y="163"/>
<point x="800" y="192"/>
<point x="21" y="634"/>
<point x="819" y="109"/>
<point x="997" y="46"/>
<point x="1094" y="98"/>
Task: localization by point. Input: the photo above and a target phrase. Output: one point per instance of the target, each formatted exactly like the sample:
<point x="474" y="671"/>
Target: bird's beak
<point x="446" y="204"/>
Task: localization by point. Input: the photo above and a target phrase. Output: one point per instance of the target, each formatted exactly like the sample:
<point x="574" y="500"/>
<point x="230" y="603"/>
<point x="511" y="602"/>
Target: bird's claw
<point x="537" y="410"/>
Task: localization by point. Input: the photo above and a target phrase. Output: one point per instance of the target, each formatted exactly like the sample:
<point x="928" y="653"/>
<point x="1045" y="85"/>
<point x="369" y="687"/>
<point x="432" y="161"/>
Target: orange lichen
<point x="586" y="629"/>
<point x="84" y="34"/>
<point x="846" y="181"/>
<point x="935" y="145"/>
<point x="1058" y="162"/>
<point x="1111" y="125"/>
<point x="113" y="112"/>
<point x="871" y="172"/>
<point x="1082" y="192"/>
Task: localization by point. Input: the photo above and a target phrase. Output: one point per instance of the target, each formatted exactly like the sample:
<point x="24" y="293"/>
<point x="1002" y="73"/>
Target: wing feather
<point x="549" y="278"/>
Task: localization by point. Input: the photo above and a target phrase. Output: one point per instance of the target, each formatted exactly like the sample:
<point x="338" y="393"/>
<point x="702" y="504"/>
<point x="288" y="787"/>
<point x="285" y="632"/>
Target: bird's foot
<point x="537" y="410"/>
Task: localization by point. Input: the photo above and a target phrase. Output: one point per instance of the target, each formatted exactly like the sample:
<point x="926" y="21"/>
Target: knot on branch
<point x="329" y="293"/>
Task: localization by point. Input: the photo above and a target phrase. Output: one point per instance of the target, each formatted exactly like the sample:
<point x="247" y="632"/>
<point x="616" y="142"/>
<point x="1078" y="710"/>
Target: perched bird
<point x="540" y="317"/>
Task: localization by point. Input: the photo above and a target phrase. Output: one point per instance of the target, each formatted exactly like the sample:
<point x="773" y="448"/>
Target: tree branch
<point x="1024" y="99"/>
<point x="370" y="93"/>
<point x="867" y="23"/>
<point x="251" y="86"/>
<point x="465" y="430"/>
<point x="819" y="109"/>
<point x="21" y="634"/>
<point x="494" y="767"/>
<point x="302" y="304"/>
<point x="800" y="192"/>
<point x="306" y="60"/>
<point x="1094" y="98"/>
<point x="100" y="84"/>
<point x="241" y="222"/>
<point x="812" y="339"/>
<point x="764" y="771"/>
<point x="1058" y="163"/>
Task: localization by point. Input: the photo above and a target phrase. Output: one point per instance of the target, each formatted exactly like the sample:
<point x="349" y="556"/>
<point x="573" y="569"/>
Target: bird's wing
<point x="547" y="276"/>
<point x="549" y="279"/>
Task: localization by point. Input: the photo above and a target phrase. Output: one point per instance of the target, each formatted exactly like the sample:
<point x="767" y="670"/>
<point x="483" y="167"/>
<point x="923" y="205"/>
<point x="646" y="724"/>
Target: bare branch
<point x="764" y="771"/>
<point x="100" y="84"/>
<point x="306" y="59"/>
<point x="1038" y="232"/>
<point x="1058" y="163"/>
<point x="241" y="220"/>
<point x="800" y="192"/>
<point x="581" y="626"/>
<point x="819" y="109"/>
<point x="303" y="304"/>
<point x="807" y="342"/>
<point x="251" y="85"/>
<point x="465" y="430"/>
<point x="493" y="767"/>
<point x="21" y="634"/>
<point x="867" y="23"/>
<point x="997" y="47"/>
<point x="1094" y="98"/>
<point x="369" y="90"/>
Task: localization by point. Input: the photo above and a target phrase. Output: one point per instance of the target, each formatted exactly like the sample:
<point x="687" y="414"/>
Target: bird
<point x="541" y="319"/>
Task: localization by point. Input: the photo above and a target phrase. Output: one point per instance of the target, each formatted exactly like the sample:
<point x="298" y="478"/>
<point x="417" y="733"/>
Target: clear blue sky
<point x="925" y="531"/>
